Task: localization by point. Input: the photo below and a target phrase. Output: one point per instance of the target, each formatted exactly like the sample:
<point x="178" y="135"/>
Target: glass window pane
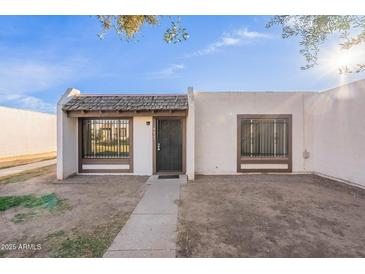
<point x="105" y="138"/>
<point x="245" y="137"/>
<point x="264" y="137"/>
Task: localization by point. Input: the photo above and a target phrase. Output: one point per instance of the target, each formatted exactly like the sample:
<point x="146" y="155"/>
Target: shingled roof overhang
<point x="127" y="103"/>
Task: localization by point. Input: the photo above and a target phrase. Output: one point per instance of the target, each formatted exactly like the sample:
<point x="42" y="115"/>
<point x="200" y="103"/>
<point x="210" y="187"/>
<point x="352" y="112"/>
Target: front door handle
<point x="158" y="147"/>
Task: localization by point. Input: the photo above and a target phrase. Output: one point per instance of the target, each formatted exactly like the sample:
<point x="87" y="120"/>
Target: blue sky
<point x="41" y="56"/>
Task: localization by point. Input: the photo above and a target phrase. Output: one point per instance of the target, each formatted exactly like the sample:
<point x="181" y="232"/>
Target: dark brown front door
<point x="168" y="145"/>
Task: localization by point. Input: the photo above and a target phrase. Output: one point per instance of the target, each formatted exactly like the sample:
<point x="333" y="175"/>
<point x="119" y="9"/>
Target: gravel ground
<point x="271" y="216"/>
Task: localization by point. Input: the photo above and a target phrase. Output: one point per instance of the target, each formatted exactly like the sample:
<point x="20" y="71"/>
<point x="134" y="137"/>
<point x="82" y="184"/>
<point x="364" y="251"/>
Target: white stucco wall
<point x="216" y="126"/>
<point x="142" y="145"/>
<point x="190" y="137"/>
<point x="26" y="132"/>
<point x="336" y="132"/>
<point x="67" y="139"/>
<point x="329" y="125"/>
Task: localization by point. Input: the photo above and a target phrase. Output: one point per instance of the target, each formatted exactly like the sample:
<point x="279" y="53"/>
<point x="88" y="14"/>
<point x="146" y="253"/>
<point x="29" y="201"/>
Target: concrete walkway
<point x="18" y="169"/>
<point x="151" y="228"/>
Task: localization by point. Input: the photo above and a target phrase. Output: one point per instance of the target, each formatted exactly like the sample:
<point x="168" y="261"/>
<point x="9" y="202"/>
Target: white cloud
<point x="34" y="103"/>
<point x="168" y="72"/>
<point x="25" y="76"/>
<point x="20" y="80"/>
<point x="238" y="37"/>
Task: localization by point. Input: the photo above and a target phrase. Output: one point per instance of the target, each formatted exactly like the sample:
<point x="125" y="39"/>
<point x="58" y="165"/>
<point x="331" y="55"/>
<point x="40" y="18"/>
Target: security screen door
<point x="168" y="145"/>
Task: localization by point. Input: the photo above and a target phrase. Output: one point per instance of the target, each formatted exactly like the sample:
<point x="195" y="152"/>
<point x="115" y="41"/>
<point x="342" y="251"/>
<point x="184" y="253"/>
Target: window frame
<point x="262" y="159"/>
<point x="124" y="160"/>
<point x="108" y="133"/>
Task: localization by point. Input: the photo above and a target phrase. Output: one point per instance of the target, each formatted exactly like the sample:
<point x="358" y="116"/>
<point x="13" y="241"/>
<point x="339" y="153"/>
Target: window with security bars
<point x="105" y="138"/>
<point x="264" y="137"/>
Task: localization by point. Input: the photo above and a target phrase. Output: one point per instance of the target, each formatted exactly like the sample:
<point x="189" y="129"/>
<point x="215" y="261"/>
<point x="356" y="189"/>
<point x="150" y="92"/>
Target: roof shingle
<point x="127" y="103"/>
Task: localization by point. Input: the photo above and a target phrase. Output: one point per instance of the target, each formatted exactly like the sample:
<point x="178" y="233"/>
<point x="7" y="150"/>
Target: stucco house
<point x="214" y="133"/>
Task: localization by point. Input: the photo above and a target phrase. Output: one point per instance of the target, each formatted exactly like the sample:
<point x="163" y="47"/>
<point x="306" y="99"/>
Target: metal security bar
<point x="105" y="138"/>
<point x="264" y="137"/>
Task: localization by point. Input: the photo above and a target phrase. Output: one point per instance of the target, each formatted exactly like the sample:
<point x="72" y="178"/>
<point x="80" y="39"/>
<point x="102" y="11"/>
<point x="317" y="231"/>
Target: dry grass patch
<point x="26" y="175"/>
<point x="7" y="162"/>
<point x="97" y="207"/>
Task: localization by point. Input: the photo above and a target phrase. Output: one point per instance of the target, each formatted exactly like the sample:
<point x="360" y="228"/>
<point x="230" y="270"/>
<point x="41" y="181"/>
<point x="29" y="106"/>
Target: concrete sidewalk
<point x="18" y="169"/>
<point x="151" y="228"/>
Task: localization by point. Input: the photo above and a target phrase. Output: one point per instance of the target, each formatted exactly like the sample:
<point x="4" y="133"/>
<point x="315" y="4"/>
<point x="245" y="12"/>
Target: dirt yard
<point x="90" y="211"/>
<point x="271" y="216"/>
